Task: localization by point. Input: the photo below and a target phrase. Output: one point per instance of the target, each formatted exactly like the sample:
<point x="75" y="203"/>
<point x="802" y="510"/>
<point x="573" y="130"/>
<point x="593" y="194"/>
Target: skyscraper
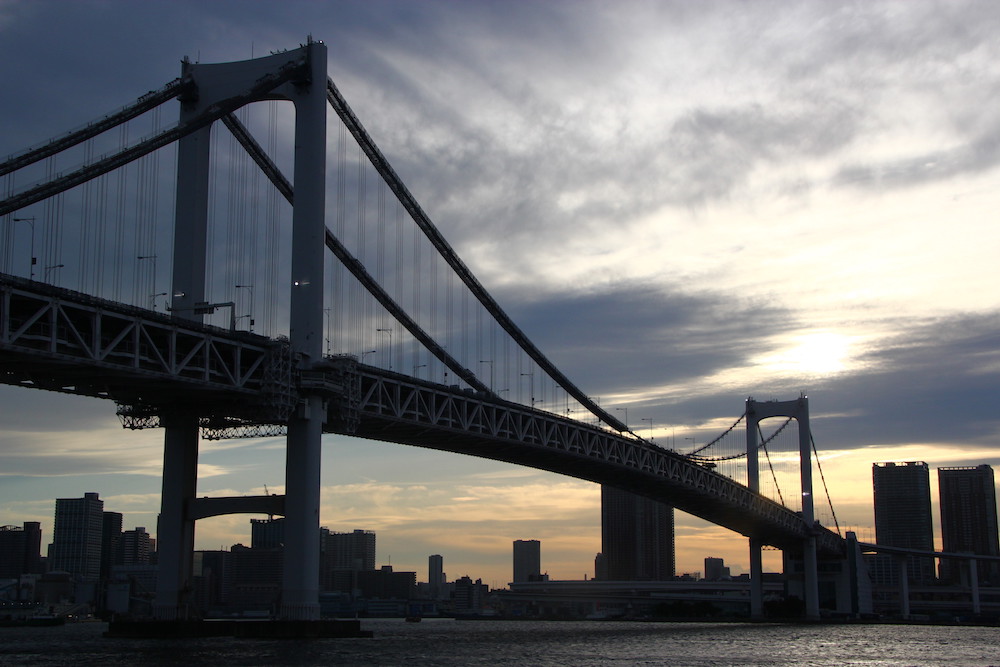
<point x="435" y="576"/>
<point x="135" y="547"/>
<point x="267" y="533"/>
<point x="350" y="551"/>
<point x="903" y="519"/>
<point x="637" y="537"/>
<point x="76" y="536"/>
<point x="111" y="533"/>
<point x="968" y="519"/>
<point x="527" y="560"/>
<point x="343" y="556"/>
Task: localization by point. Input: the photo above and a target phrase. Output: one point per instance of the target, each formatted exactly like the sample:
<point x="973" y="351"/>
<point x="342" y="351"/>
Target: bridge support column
<point x="756" y="580"/>
<point x="175" y="532"/>
<point x="904" y="585"/>
<point x="809" y="560"/>
<point x="300" y="590"/>
<point x="753" y="483"/>
<point x="974" y="586"/>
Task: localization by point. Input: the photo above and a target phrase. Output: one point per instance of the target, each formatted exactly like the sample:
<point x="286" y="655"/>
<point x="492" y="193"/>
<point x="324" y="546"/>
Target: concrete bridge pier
<point x="904" y="585"/>
<point x="974" y="586"/>
<point x="756" y="580"/>
<point x="175" y="531"/>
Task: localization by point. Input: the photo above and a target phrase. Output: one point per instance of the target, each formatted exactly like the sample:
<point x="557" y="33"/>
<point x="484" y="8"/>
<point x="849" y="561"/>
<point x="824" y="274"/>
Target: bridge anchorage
<point x="173" y="370"/>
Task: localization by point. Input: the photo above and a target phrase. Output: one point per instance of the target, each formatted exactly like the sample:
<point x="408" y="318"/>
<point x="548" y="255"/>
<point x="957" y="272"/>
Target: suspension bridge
<point x="280" y="312"/>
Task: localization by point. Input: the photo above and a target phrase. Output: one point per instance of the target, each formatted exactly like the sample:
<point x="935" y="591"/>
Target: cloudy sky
<point x="683" y="204"/>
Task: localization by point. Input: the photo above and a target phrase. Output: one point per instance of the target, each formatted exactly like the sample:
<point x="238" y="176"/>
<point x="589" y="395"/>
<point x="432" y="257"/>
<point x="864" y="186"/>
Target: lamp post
<point x="326" y="311"/>
<point x="45" y="274"/>
<point x="365" y="354"/>
<point x="531" y="386"/>
<point x="249" y="315"/>
<point x="650" y="420"/>
<point x="34" y="260"/>
<point x="389" y="353"/>
<point x="152" y="299"/>
<point x="416" y="366"/>
<point x="152" y="285"/>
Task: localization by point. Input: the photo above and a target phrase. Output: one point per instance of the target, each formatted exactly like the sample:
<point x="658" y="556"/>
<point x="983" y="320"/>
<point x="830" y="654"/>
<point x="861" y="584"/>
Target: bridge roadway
<point x="153" y="364"/>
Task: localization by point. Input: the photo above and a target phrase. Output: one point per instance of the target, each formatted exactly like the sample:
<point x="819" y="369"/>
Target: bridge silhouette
<point x="199" y="369"/>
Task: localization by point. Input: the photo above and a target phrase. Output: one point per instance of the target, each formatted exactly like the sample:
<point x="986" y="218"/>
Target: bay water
<point x="445" y="642"/>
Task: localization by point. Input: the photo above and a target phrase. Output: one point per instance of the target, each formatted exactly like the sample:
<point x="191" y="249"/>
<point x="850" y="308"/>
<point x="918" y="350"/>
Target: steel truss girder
<point x="61" y="340"/>
<point x="396" y="408"/>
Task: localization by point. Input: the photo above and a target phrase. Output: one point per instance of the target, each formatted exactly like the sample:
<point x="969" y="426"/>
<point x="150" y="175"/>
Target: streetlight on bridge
<point x="249" y="315"/>
<point x="45" y="275"/>
<point x="34" y="260"/>
<point x="650" y="420"/>
<point x="152" y="299"/>
<point x="531" y="385"/>
<point x="389" y="353"/>
<point x="626" y="415"/>
<point x="152" y="285"/>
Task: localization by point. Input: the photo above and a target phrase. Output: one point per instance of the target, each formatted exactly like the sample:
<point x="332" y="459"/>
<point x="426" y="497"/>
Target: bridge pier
<point x="904" y="585"/>
<point x="756" y="580"/>
<point x="175" y="531"/>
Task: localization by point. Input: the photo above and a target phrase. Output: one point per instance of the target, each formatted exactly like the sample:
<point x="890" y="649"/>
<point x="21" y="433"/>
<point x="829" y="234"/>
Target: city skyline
<point x="682" y="205"/>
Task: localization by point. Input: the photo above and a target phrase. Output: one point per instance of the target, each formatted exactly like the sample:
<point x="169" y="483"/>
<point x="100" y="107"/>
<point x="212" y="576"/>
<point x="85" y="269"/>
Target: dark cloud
<point x="627" y="338"/>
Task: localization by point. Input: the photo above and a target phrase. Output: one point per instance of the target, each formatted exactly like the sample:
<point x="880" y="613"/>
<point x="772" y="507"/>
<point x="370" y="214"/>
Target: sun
<point x="814" y="353"/>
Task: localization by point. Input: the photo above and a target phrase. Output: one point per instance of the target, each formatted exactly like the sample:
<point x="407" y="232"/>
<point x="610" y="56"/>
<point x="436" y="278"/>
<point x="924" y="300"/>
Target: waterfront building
<point x="716" y="570"/>
<point x="637" y="537"/>
<point x="111" y="532"/>
<point x="385" y="584"/>
<point x="343" y="556"/>
<point x="255" y="577"/>
<point x="902" y="495"/>
<point x="354" y="550"/>
<point x="212" y="583"/>
<point x="435" y="576"/>
<point x="527" y="560"/>
<point x="267" y="533"/>
<point x="470" y="596"/>
<point x="77" y="536"/>
<point x="135" y="547"/>
<point x="20" y="550"/>
<point x="968" y="520"/>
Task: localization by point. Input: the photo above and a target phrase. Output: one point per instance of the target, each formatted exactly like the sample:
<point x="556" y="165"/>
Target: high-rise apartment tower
<point x="968" y="519"/>
<point x="637" y="537"/>
<point x="903" y="519"/>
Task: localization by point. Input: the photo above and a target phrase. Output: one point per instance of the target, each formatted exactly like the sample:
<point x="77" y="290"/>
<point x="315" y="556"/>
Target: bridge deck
<point x="153" y="363"/>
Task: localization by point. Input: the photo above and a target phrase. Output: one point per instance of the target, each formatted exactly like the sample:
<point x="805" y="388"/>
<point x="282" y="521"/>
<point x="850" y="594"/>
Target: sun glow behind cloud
<point x="813" y="353"/>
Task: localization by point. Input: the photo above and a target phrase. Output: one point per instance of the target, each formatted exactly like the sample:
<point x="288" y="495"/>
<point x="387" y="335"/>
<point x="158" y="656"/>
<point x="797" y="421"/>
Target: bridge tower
<point x="797" y="409"/>
<point x="212" y="84"/>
